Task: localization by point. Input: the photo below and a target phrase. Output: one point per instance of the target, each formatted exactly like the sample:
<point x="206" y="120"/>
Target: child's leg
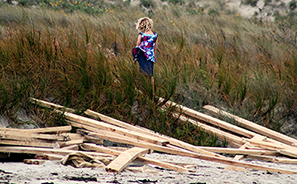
<point x="153" y="85"/>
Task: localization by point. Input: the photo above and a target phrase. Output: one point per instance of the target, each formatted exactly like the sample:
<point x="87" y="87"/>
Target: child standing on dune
<point x="146" y="47"/>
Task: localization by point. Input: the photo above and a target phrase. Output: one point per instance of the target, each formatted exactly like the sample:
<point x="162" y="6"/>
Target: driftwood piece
<point x="255" y="127"/>
<point x="125" y="158"/>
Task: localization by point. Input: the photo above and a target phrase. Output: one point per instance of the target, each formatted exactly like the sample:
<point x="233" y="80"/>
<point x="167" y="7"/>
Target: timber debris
<point x="85" y="147"/>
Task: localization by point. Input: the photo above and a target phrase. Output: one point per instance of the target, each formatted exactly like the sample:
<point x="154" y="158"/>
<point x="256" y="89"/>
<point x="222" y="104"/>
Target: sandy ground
<point x="205" y="172"/>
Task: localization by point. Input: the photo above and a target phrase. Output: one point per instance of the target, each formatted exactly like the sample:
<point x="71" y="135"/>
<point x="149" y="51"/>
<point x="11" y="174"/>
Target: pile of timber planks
<point x="142" y="140"/>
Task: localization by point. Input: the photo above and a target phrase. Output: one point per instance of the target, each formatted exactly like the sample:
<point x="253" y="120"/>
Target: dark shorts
<point x="145" y="66"/>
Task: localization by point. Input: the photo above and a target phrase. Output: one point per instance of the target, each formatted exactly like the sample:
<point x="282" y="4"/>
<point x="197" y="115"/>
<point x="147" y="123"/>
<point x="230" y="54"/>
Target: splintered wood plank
<point x="112" y="128"/>
<point x="107" y="150"/>
<point x="273" y="159"/>
<point x="209" y="119"/>
<point x="255" y="127"/>
<point x="40" y="130"/>
<point x="125" y="158"/>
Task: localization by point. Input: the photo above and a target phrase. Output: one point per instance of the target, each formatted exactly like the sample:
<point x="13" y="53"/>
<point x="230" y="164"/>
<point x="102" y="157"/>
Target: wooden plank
<point x="71" y="147"/>
<point x="31" y="150"/>
<point x="143" y="144"/>
<point x="209" y="119"/>
<point x="91" y="131"/>
<point x="112" y="128"/>
<point x="273" y="159"/>
<point x="222" y="135"/>
<point x="52" y="156"/>
<point x="27" y="143"/>
<point x="255" y="127"/>
<point x="72" y="142"/>
<point x="246" y="165"/>
<point x="236" y="151"/>
<point x="140" y="159"/>
<point x="40" y="130"/>
<point x="142" y="130"/>
<point x="125" y="158"/>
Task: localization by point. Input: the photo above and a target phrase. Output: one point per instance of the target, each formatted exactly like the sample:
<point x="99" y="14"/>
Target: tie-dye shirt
<point x="147" y="45"/>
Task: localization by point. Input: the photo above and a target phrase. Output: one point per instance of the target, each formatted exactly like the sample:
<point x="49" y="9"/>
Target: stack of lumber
<point x="143" y="141"/>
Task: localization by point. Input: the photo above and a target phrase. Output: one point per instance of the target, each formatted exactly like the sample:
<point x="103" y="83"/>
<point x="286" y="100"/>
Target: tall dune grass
<point x="84" y="62"/>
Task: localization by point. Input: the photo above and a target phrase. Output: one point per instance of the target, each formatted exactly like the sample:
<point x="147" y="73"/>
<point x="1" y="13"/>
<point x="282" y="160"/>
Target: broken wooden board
<point x="255" y="127"/>
<point x="140" y="159"/>
<point x="125" y="158"/>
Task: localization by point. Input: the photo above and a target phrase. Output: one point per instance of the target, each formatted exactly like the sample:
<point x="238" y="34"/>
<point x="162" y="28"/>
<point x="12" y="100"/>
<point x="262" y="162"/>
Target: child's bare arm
<point x="138" y="40"/>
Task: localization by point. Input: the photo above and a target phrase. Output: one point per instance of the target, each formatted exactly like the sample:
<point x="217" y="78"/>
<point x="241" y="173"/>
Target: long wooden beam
<point x="40" y="130"/>
<point x="112" y="128"/>
<point x="254" y="127"/>
<point x="236" y="151"/>
<point x="31" y="150"/>
<point x="209" y="119"/>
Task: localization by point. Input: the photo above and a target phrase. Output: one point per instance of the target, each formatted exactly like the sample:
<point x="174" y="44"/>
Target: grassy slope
<point x="84" y="61"/>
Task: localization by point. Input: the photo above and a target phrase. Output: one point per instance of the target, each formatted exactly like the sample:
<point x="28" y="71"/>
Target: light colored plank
<point x="71" y="147"/>
<point x="140" y="159"/>
<point x="112" y="128"/>
<point x="27" y="143"/>
<point x="31" y="150"/>
<point x="72" y="142"/>
<point x="91" y="132"/>
<point x="273" y="159"/>
<point x="222" y="135"/>
<point x="125" y="158"/>
<point x="255" y="127"/>
<point x="40" y="130"/>
<point x="236" y="151"/>
<point x="209" y="119"/>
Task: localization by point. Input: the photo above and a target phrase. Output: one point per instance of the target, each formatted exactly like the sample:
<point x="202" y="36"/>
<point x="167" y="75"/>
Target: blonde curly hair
<point x="144" y="24"/>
